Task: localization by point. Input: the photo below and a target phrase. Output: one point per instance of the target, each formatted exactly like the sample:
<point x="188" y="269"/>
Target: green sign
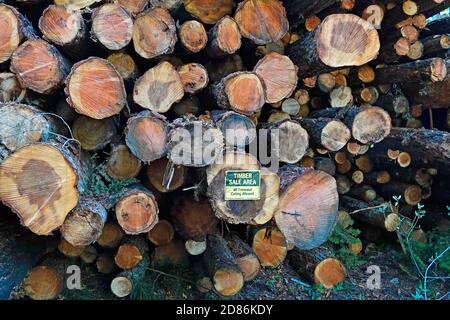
<point x="242" y="185"/>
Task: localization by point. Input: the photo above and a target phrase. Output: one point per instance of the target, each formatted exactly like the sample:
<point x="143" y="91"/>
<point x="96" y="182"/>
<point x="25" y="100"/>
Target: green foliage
<point x="100" y="183"/>
<point x="339" y="241"/>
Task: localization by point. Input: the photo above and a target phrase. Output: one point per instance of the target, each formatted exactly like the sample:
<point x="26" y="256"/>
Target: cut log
<point x="16" y="262"/>
<point x="368" y="124"/>
<point x="326" y="82"/>
<point x="193" y="36"/>
<point x="147" y="136"/>
<point x="124" y="64"/>
<point x="127" y="282"/>
<point x="70" y="37"/>
<point x="112" y="26"/>
<point x="375" y="177"/>
<point x="121" y="163"/>
<point x="162" y="37"/>
<point x="159" y="88"/>
<point x="156" y="171"/>
<point x="363" y="192"/>
<point x="241" y="211"/>
<point x="22" y="125"/>
<point x="75" y="4"/>
<point x="170" y="255"/>
<point x="227" y="277"/>
<point x="331" y="134"/>
<point x="368" y="95"/>
<point x="262" y="21"/>
<point x="137" y="210"/>
<point x="270" y="246"/>
<point x="10" y="88"/>
<point x="195" y="248"/>
<point x="411" y="194"/>
<point x="434" y="69"/>
<point x="340" y="40"/>
<point x="43" y="283"/>
<point x="39" y="66"/>
<point x="161" y="234"/>
<point x="105" y="263"/>
<point x="224" y="38"/>
<point x="45" y="168"/>
<point x="298" y="11"/>
<point x="244" y="257"/>
<point x="89" y="77"/>
<point x="238" y="130"/>
<point x="137" y="6"/>
<point x="111" y="236"/>
<point x="16" y="28"/>
<point x="69" y="250"/>
<point x="308" y="206"/>
<point x="171" y="5"/>
<point x="194" y="143"/>
<point x="341" y="97"/>
<point x="376" y="213"/>
<point x="193" y="220"/>
<point x="279" y="76"/>
<point x="89" y="254"/>
<point x="318" y="265"/>
<point x="93" y="134"/>
<point x="243" y="92"/>
<point x="130" y="253"/>
<point x="429" y="94"/>
<point x="208" y="12"/>
<point x="194" y="77"/>
<point x="84" y="224"/>
<point x="435" y="45"/>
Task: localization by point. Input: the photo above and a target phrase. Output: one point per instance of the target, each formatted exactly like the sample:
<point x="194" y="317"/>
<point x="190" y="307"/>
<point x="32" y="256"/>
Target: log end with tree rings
<point x="279" y="75"/>
<point x="10" y="88"/>
<point x="124" y="64"/>
<point x="61" y="25"/>
<point x="308" y="209"/>
<point x="237" y="129"/>
<point x="122" y="164"/>
<point x="270" y="246"/>
<point x="161" y="234"/>
<point x="225" y="38"/>
<point x="159" y="88"/>
<point x="193" y="36"/>
<point x="156" y="171"/>
<point x="208" y="12"/>
<point x="12" y="35"/>
<point x="111" y="236"/>
<point x="86" y="79"/>
<point x="335" y="135"/>
<point x="162" y="37"/>
<point x="112" y="26"/>
<point x="75" y="4"/>
<point x="346" y="40"/>
<point x="262" y="21"/>
<point x="371" y="125"/>
<point x="293" y="140"/>
<point x="438" y="70"/>
<point x="134" y="6"/>
<point x="93" y="134"/>
<point x="146" y="136"/>
<point x="43" y="283"/>
<point x="39" y="66"/>
<point x="194" y="77"/>
<point x="127" y="256"/>
<point x="45" y="168"/>
<point x="137" y="211"/>
<point x="329" y="272"/>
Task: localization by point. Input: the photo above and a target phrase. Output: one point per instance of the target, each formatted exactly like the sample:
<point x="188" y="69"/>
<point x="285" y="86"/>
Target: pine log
<point x="111" y="236"/>
<point x="363" y="192"/>
<point x="341" y="97"/>
<point x="262" y="21"/>
<point x="146" y="136"/>
<point x="125" y="65"/>
<point x="127" y="282"/>
<point x="318" y="265"/>
<point x="69" y="250"/>
<point x="93" y="134"/>
<point x="130" y="252"/>
<point x="435" y="45"/>
<point x="224" y="38"/>
<point x="136" y="6"/>
<point x="193" y="219"/>
<point x="208" y="12"/>
<point x="308" y="206"/>
<point x="242" y="211"/>
<point x="112" y="26"/>
<point x="238" y="130"/>
<point x="171" y="5"/>
<point x="194" y="77"/>
<point x="69" y="37"/>
<point x="411" y="194"/>
<point x="121" y="163"/>
<point x="39" y="66"/>
<point x="326" y="82"/>
<point x="244" y="257"/>
<point x="162" y="37"/>
<point x="340" y="40"/>
<point x="195" y="248"/>
<point x="45" y="168"/>
<point x="75" y="4"/>
<point x="86" y="79"/>
<point x="243" y="92"/>
<point x="159" y="169"/>
<point x="43" y="283"/>
<point x="368" y="95"/>
<point x="89" y="254"/>
<point x="331" y="134"/>
<point x="375" y="213"/>
<point x="16" y="28"/>
<point x="194" y="142"/>
<point x="269" y="245"/>
<point x="368" y="124"/>
<point x="159" y="88"/>
<point x="162" y="233"/>
<point x="137" y="210"/>
<point x="84" y="224"/>
<point x="434" y="69"/>
<point x="226" y="275"/>
<point x="193" y="36"/>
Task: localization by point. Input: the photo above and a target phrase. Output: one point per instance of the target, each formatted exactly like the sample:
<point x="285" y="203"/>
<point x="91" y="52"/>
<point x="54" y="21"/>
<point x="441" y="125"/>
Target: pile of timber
<point x="120" y="119"/>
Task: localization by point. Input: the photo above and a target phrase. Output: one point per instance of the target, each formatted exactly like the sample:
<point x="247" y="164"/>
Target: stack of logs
<point x="97" y="96"/>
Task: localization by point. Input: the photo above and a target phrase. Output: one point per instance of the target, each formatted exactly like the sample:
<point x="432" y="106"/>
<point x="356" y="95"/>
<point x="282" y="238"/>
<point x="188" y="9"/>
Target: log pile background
<point x="94" y="96"/>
